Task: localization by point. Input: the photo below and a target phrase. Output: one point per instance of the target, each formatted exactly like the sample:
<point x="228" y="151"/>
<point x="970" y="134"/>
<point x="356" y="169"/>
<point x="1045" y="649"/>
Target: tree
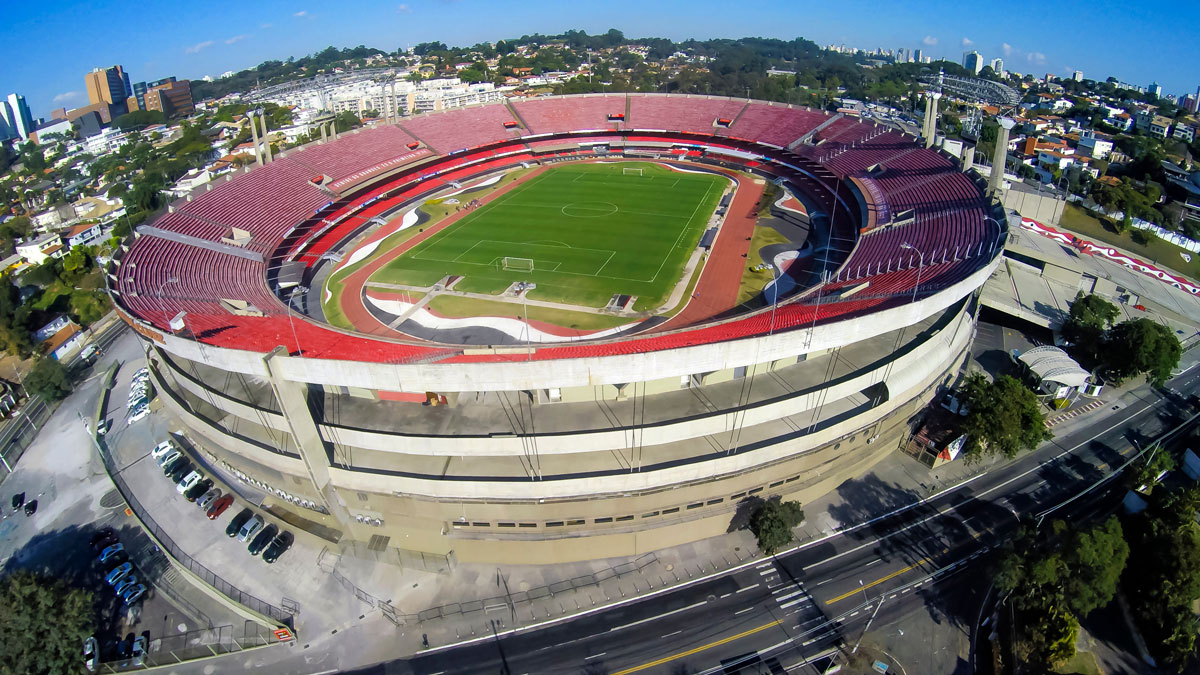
<point x="772" y="522"/>
<point x="1004" y="417"/>
<point x="48" y="379"/>
<point x="1091" y="315"/>
<point x="1141" y="346"/>
<point x="43" y="624"/>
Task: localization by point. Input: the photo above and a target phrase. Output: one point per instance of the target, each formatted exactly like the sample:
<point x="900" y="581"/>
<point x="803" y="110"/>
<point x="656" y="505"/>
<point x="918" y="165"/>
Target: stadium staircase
<point x="512" y="110"/>
<point x="813" y="132"/>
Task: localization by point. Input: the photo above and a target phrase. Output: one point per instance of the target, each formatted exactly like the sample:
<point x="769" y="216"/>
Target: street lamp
<point x="775" y="298"/>
<point x="920" y="266"/>
<point x="999" y="233"/>
<point x="161" y="305"/>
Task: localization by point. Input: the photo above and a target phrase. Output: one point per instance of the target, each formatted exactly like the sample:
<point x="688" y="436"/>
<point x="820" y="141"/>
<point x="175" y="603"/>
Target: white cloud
<point x="264" y="25"/>
<point x="1006" y="48"/>
<point x="929" y="41"/>
<point x="403" y="9"/>
<point x="236" y="39"/>
<point x="194" y="49"/>
<point x="301" y="14"/>
<point x="1036" y="57"/>
<point x="66" y="96"/>
<point x="967" y="42"/>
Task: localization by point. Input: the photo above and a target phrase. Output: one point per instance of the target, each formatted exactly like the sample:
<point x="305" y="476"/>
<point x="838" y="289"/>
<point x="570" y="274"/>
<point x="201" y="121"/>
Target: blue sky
<point x="49" y="46"/>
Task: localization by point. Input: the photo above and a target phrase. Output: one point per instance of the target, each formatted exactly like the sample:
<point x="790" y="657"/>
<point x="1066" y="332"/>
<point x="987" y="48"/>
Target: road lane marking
<point x="743" y="611"/>
<point x="793" y="603"/>
<point x="670" y="634"/>
<point x="766" y="572"/>
<point x="874" y="562"/>
<point x="696" y="650"/>
<point x="789" y="595"/>
<point x="878" y="581"/>
<point x="746" y="588"/>
<point x="594" y="656"/>
<point x="726" y="595"/>
<point x="656" y="618"/>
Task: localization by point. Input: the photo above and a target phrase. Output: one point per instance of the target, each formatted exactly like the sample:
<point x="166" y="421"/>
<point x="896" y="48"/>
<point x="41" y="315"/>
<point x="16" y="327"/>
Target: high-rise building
<point x="17" y="116"/>
<point x="1077" y="76"/>
<point x="109" y="86"/>
<point x="998" y="67"/>
<point x="170" y="97"/>
<point x="1156" y="89"/>
<point x="6" y="128"/>
<point x="973" y="62"/>
<point x="919" y="56"/>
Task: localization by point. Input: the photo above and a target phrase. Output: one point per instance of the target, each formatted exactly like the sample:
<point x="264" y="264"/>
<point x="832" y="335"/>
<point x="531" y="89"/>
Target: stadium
<point x="562" y="328"/>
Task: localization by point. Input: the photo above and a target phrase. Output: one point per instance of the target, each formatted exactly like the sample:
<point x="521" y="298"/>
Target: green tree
<point x="1091" y="315"/>
<point x="1004" y="417"/>
<point x="43" y="625"/>
<point x="48" y="379"/>
<point x="1141" y="346"/>
<point x="772" y="522"/>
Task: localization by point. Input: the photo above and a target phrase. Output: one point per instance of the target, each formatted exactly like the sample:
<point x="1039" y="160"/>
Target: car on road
<point x="189" y="481"/>
<point x="127" y="582"/>
<point x="210" y="496"/>
<point x="108" y="553"/>
<point x="249" y="529"/>
<point x="279" y="545"/>
<point x="169" y="457"/>
<point x="132" y="594"/>
<point x="235" y="525"/>
<point x="118" y="573"/>
<point x="197" y="491"/>
<point x="103" y="539"/>
<point x="137" y="654"/>
<point x="91" y="654"/>
<point x="218" y="507"/>
<point x="264" y="537"/>
<point x="164" y="448"/>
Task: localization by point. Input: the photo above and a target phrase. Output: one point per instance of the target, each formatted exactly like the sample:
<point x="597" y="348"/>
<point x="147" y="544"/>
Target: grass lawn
<point x="1083" y="663"/>
<point x="753" y="282"/>
<point x="1157" y="251"/>
<point x="589" y="230"/>
<point x="457" y="306"/>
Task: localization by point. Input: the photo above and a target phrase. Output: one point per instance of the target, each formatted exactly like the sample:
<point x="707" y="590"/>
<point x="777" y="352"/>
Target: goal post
<point x="629" y="171"/>
<point x="517" y="264"/>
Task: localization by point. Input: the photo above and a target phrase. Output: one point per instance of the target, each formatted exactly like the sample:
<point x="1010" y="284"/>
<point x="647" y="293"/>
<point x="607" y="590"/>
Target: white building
<point x="1096" y="147"/>
<point x="105" y="142"/>
<point x="43" y="248"/>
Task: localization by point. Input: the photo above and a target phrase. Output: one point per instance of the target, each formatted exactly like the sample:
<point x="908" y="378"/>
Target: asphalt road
<point x="772" y="615"/>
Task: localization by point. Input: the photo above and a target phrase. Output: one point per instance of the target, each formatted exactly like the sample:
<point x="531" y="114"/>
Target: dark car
<point x="278" y="547"/>
<point x="31" y="507"/>
<point x="170" y="466"/>
<point x="18" y="500"/>
<point x="103" y="539"/>
<point x="181" y="471"/>
<point x="238" y="521"/>
<point x="197" y="491"/>
<point x="261" y="540"/>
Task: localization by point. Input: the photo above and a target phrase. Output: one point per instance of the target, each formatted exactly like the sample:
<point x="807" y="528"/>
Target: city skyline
<point x="197" y="42"/>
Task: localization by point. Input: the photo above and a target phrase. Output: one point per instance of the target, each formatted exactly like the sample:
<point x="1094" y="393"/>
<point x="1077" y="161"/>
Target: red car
<point x="218" y="507"/>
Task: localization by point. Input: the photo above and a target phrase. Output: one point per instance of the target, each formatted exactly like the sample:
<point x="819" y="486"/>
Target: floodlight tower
<point x="977" y="92"/>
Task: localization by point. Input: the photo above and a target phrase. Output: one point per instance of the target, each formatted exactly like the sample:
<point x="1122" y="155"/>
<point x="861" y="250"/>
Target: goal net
<point x="626" y="171"/>
<point x="518" y="264"/>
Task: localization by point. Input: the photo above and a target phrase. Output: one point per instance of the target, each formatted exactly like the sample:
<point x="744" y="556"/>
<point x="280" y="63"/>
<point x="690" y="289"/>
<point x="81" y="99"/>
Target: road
<point x="801" y="604"/>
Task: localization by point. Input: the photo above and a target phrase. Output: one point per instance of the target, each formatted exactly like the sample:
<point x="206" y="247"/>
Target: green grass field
<point x="591" y="230"/>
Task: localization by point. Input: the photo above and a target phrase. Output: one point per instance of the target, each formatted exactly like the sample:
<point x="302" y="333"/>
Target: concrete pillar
<point x="933" y="120"/>
<point x="968" y="158"/>
<point x="395" y="109"/>
<point x="266" y="141"/>
<point x="254" y="135"/>
<point x="925" y="119"/>
<point x="1000" y="155"/>
<point x="322" y="125"/>
<point x="293" y="403"/>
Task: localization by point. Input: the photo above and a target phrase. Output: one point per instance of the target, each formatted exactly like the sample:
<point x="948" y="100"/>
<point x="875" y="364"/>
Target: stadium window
<point x="792" y="479"/>
<point x="775" y="484"/>
<point x="718" y="500"/>
<point x="671" y="510"/>
<point x="621" y="519"/>
<point x="506" y="524"/>
<point x="554" y="523"/>
<point x="481" y="524"/>
<point x="650" y="515"/>
<point x="527" y="525"/>
<point x="599" y="521"/>
<point x="576" y="522"/>
<point x="455" y="523"/>
<point x="696" y="505"/>
<point x="754" y="491"/>
<point x="362" y="496"/>
<point x="738" y="495"/>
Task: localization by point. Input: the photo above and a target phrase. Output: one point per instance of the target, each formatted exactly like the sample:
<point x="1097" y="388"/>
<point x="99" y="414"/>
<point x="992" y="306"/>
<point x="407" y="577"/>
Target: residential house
<point x="83" y="234"/>
<point x="41" y="249"/>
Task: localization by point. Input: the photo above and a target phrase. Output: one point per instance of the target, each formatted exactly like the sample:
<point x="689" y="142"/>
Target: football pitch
<point x="581" y="232"/>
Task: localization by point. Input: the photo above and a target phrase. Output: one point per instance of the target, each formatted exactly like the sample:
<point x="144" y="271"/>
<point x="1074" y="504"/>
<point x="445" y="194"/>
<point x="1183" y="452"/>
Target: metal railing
<point x="195" y="644"/>
<point x="194" y="566"/>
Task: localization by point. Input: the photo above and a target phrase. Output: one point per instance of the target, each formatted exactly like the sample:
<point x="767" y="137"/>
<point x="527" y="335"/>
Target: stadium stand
<point x="450" y="131"/>
<point x="584" y="112"/>
<point x="776" y="124"/>
<point x="697" y="114"/>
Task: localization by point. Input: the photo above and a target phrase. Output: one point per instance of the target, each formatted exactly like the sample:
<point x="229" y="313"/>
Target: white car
<point x="168" y="458"/>
<point x="189" y="481"/>
<point x="137" y="414"/>
<point x="91" y="654"/>
<point x="164" y="448"/>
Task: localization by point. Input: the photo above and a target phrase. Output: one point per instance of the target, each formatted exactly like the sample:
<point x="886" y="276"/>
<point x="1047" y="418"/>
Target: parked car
<point x="206" y="500"/>
<point x="138" y="414"/>
<point x="169" y="467"/>
<point x="181" y="471"/>
<point x="18" y="500"/>
<point x="91" y="654"/>
<point x="235" y="525"/>
<point x="123" y="646"/>
<point x="218" y="507"/>
<point x="103" y="539"/>
<point x="189" y="481"/>
<point x="125" y="583"/>
<point x="278" y="547"/>
<point x="264" y="537"/>
<point x="249" y="529"/>
<point x="118" y="573"/>
<point x="164" y="448"/>
<point x="137" y="655"/>
<point x="108" y="553"/>
<point x="169" y="457"/>
<point x="197" y="491"/>
<point x="30" y="507"/>
<point x="132" y="594"/>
